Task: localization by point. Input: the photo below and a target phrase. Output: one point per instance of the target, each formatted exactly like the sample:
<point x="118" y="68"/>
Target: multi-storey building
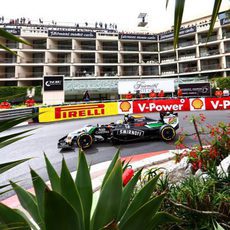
<point x="86" y="54"/>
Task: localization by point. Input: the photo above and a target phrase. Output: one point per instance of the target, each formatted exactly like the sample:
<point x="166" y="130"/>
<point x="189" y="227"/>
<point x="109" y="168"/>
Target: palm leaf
<point x="8" y="49"/>
<point x="12" y="97"/>
<point x="110" y="168"/>
<point x="141" y="218"/>
<point x="39" y="187"/>
<point x="70" y="193"/>
<point x="59" y="214"/>
<point x="109" y="201"/>
<point x="5" y="143"/>
<point x="11" y="219"/>
<point x="6" y="166"/>
<point x="5" y="125"/>
<point x="178" y="14"/>
<point x="141" y="197"/>
<point x="7" y="137"/>
<point x="127" y="193"/>
<point x="53" y="176"/>
<point x="28" y="202"/>
<point x="84" y="186"/>
<point x="9" y="36"/>
<point x="215" y="11"/>
<point x="28" y="220"/>
<point x="166" y="5"/>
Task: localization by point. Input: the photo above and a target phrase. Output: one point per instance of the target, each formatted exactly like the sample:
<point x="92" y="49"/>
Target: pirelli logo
<point x="79" y="111"/>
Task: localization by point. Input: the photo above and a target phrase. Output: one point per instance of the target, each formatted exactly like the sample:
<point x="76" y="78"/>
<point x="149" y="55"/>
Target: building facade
<point x="93" y="54"/>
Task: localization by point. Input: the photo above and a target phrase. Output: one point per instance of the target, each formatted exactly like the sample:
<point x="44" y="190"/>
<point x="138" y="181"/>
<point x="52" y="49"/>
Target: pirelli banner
<point x="69" y="112"/>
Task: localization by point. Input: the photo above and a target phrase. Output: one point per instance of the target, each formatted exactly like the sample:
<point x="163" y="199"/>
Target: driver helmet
<point x="126" y="117"/>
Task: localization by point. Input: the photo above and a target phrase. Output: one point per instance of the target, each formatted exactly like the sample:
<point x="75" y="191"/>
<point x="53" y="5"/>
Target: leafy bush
<point x="16" y="92"/>
<point x="222" y="82"/>
<point x="217" y="145"/>
<point x="69" y="204"/>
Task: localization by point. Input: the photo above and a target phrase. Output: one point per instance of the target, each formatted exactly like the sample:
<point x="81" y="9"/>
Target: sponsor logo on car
<point x="132" y="132"/>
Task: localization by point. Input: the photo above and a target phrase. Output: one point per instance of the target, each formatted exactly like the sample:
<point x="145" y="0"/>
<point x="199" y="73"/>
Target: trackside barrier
<point x="60" y="113"/>
<point x="16" y="113"/>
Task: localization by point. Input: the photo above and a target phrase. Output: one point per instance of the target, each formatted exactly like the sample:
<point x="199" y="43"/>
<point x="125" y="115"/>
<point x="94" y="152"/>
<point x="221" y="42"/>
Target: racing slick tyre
<point x="84" y="141"/>
<point x="167" y="133"/>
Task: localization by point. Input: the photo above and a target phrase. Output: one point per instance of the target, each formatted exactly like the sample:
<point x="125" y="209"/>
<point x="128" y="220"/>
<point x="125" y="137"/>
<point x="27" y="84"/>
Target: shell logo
<point x="125" y="106"/>
<point x="197" y="103"/>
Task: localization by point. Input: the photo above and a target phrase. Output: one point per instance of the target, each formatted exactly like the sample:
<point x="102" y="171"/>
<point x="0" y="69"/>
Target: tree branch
<point x="198" y="211"/>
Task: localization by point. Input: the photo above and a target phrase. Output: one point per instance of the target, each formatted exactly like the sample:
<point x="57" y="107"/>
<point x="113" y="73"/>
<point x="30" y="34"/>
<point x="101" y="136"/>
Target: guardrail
<point x="15" y="113"/>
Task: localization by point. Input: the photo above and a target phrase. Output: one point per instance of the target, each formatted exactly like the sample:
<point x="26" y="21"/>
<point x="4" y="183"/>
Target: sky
<point x="123" y="13"/>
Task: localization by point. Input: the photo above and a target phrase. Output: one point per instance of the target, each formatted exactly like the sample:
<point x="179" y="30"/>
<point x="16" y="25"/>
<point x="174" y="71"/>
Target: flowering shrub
<point x="217" y="144"/>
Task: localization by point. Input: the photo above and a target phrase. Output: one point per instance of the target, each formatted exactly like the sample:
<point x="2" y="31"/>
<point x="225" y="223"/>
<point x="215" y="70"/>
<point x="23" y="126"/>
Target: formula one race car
<point x="132" y="128"/>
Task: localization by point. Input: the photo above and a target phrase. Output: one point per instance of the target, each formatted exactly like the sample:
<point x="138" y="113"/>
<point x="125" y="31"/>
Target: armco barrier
<point x="15" y="113"/>
<point x="97" y="109"/>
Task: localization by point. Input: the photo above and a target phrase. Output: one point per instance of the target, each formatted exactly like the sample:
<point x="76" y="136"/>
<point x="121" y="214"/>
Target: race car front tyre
<point x="167" y="133"/>
<point x="85" y="141"/>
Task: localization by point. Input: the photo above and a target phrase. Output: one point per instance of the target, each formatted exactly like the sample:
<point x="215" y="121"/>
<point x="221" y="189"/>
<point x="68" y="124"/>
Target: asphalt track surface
<point x="45" y="137"/>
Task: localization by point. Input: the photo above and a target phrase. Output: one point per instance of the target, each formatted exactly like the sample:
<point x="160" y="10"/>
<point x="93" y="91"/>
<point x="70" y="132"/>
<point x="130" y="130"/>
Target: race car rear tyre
<point x="167" y="133"/>
<point x="85" y="141"/>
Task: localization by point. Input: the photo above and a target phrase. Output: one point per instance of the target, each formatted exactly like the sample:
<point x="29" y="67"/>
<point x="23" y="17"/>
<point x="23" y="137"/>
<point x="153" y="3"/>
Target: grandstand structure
<point x="89" y="53"/>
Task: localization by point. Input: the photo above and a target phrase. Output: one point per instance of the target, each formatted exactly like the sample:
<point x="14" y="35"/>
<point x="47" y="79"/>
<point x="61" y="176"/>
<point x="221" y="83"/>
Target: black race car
<point x="132" y="128"/>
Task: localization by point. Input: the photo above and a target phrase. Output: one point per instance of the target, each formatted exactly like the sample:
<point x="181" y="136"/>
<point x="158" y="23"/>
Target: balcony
<point x="227" y="49"/>
<point x="130" y="73"/>
<point x="32" y="60"/>
<point x="85" y="47"/>
<point x="84" y="74"/>
<point x="206" y="39"/>
<point x="108" y="60"/>
<point x="84" y="60"/>
<point x="12" y="45"/>
<point x="130" y="60"/>
<point x="108" y="48"/>
<point x="59" y="60"/>
<point x="226" y="34"/>
<point x="186" y="57"/>
<point x="209" y="53"/>
<point x="149" y="49"/>
<point x="8" y="60"/>
<point x="39" y="46"/>
<point x="60" y="47"/>
<point x="127" y="48"/>
<point x="188" y="69"/>
<point x="184" y="44"/>
<point x="164" y="48"/>
<point x="168" y="72"/>
<point x="31" y="75"/>
<point x="210" y="66"/>
<point x="7" y="75"/>
<point x="166" y="60"/>
<point x="147" y="73"/>
<point x="227" y="64"/>
<point x="108" y="74"/>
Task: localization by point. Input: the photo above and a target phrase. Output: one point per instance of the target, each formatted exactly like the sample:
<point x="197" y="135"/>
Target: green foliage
<point x="11" y="37"/>
<point x="9" y="139"/>
<point x="178" y="15"/>
<point x="16" y="92"/>
<point x="69" y="204"/>
<point x="223" y="82"/>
